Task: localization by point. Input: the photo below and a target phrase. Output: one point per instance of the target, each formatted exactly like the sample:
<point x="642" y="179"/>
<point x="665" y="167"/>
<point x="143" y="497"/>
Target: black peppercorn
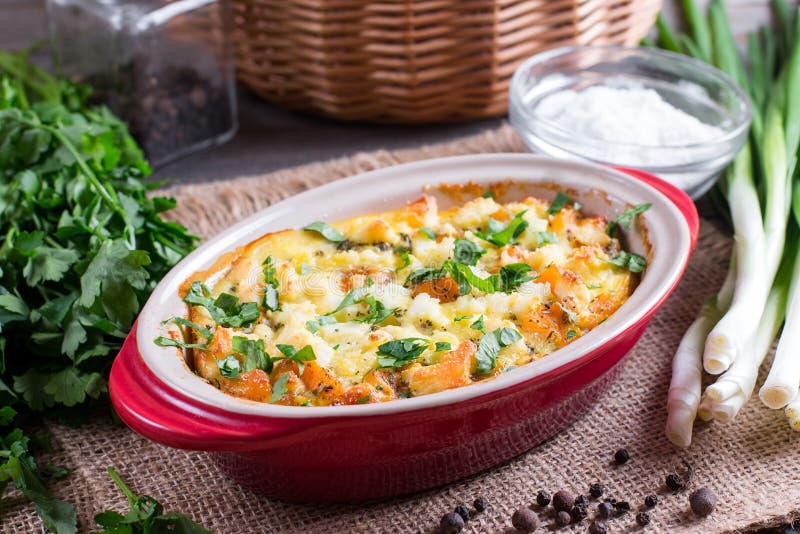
<point x="675" y="482"/>
<point x="622" y="506"/>
<point x="596" y="491"/>
<point x="525" y="520"/>
<point x="463" y="511"/>
<point x="598" y="527"/>
<point x="611" y="500"/>
<point x="582" y="500"/>
<point x="651" y="501"/>
<point x="605" y="509"/>
<point x="578" y="513"/>
<point x="480" y="504"/>
<point x="703" y="501"/>
<point x="622" y="456"/>
<point x="451" y="524"/>
<point x="643" y="518"/>
<point x="543" y="499"/>
<point x="563" y="519"/>
<point x="563" y="501"/>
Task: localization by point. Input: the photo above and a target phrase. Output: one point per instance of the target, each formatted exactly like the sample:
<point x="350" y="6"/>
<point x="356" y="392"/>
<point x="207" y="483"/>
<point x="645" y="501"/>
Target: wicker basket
<point x="413" y="61"/>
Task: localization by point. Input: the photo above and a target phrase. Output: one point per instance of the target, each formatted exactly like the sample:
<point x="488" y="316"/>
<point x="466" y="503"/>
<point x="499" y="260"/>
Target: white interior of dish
<point x="666" y="229"/>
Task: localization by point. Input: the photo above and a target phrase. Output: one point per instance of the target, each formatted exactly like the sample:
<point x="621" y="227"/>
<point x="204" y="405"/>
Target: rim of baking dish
<point x="666" y="230"/>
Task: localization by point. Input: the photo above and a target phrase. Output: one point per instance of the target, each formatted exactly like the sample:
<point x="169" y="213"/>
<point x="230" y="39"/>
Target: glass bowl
<point x="686" y="84"/>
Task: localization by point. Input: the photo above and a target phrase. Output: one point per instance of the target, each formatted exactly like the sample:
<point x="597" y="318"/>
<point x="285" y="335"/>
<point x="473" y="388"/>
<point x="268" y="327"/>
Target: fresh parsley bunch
<point x="81" y="243"/>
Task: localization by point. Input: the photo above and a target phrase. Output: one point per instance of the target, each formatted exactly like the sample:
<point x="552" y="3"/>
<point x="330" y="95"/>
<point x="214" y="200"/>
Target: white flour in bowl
<point x="634" y="116"/>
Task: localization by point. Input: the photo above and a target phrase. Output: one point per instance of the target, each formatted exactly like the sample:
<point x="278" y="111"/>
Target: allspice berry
<point x="563" y="519"/>
<point x="525" y="520"/>
<point x="563" y="501"/>
<point x="703" y="501"/>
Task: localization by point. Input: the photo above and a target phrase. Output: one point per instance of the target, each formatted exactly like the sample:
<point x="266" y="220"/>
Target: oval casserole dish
<point x="372" y="451"/>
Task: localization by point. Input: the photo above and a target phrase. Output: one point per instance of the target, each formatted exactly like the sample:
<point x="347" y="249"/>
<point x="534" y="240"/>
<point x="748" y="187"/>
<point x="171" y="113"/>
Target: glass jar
<point x="164" y="67"/>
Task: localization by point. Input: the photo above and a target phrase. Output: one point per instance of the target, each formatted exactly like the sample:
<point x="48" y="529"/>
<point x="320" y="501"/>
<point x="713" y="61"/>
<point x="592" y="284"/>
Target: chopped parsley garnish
<point x="558" y="203"/>
<point x="571" y="334"/>
<point x="162" y="341"/>
<point x="626" y="218"/>
<point x="205" y="332"/>
<point x="571" y="315"/>
<point x="306" y="354"/>
<point x="226" y="310"/>
<point x="377" y="311"/>
<point x="633" y="262"/>
<point x="461" y="317"/>
<point x="352" y="297"/>
<point x="365" y="399"/>
<point x="426" y="273"/>
<point x="229" y="367"/>
<point x="478" y="325"/>
<point x="503" y="235"/>
<point x="488" y="194"/>
<point x="443" y="345"/>
<point x="428" y="232"/>
<point x="255" y="357"/>
<point x="405" y="259"/>
<point x="270" y="301"/>
<point x="489" y="347"/>
<point x="593" y="286"/>
<point x="466" y="252"/>
<point x="279" y="388"/>
<point x="509" y="278"/>
<point x="399" y="352"/>
<point x="313" y="326"/>
<point x="325" y="230"/>
<point x="543" y="238"/>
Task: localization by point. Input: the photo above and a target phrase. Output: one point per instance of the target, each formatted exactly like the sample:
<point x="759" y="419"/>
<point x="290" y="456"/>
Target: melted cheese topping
<point x="565" y="287"/>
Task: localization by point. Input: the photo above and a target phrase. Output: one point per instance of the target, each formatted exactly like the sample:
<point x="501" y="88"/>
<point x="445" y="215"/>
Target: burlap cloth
<point x="751" y="463"/>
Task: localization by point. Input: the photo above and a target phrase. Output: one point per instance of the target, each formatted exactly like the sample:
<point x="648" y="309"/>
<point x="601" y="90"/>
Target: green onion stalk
<point x="764" y="276"/>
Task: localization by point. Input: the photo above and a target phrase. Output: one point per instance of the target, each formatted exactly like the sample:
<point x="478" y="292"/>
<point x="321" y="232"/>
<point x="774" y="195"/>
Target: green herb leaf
<point x="428" y="232"/>
<point x="443" y="345"/>
<point x="543" y="238"/>
<point x="229" y="367"/>
<point x="571" y="333"/>
<point x="314" y="325"/>
<point x="558" y="203"/>
<point x="255" y="357"/>
<point x="225" y="310"/>
<point x="271" y="285"/>
<point x="377" y="311"/>
<point x="426" y="273"/>
<point x="478" y="325"/>
<point x="365" y="399"/>
<point x="325" y="230"/>
<point x="489" y="347"/>
<point x="461" y="317"/>
<point x="351" y="298"/>
<point x="504" y="235"/>
<point x="162" y="341"/>
<point x="633" y="262"/>
<point x="405" y="258"/>
<point x="626" y="218"/>
<point x="399" y="352"/>
<point x="279" y="388"/>
<point x="306" y="354"/>
<point x="205" y="332"/>
<point x="466" y="252"/>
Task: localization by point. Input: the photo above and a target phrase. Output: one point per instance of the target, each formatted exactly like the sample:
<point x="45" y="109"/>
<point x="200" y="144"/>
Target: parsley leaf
<point x="162" y="341"/>
<point x="426" y="273"/>
<point x="205" y="332"/>
<point x="146" y="515"/>
<point x="271" y="285"/>
<point x="377" y="312"/>
<point x="399" y="352"/>
<point x="351" y="298"/>
<point x="314" y="325"/>
<point x="626" y="218"/>
<point x="255" y="357"/>
<point x="510" y="277"/>
<point x="489" y="347"/>
<point x="225" y="309"/>
<point x="405" y="259"/>
<point x="279" y="388"/>
<point x="461" y="317"/>
<point x="543" y="238"/>
<point x="428" y="232"/>
<point x="502" y="236"/>
<point x="325" y="230"/>
<point x="571" y="333"/>
<point x="466" y="252"/>
<point x="558" y="203"/>
<point x="633" y="262"/>
<point x="443" y="345"/>
<point x="478" y="325"/>
<point x="229" y="367"/>
<point x="306" y="354"/>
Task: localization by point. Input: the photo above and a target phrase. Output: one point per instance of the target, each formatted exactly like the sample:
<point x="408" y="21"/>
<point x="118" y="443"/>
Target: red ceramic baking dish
<point x="372" y="451"/>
